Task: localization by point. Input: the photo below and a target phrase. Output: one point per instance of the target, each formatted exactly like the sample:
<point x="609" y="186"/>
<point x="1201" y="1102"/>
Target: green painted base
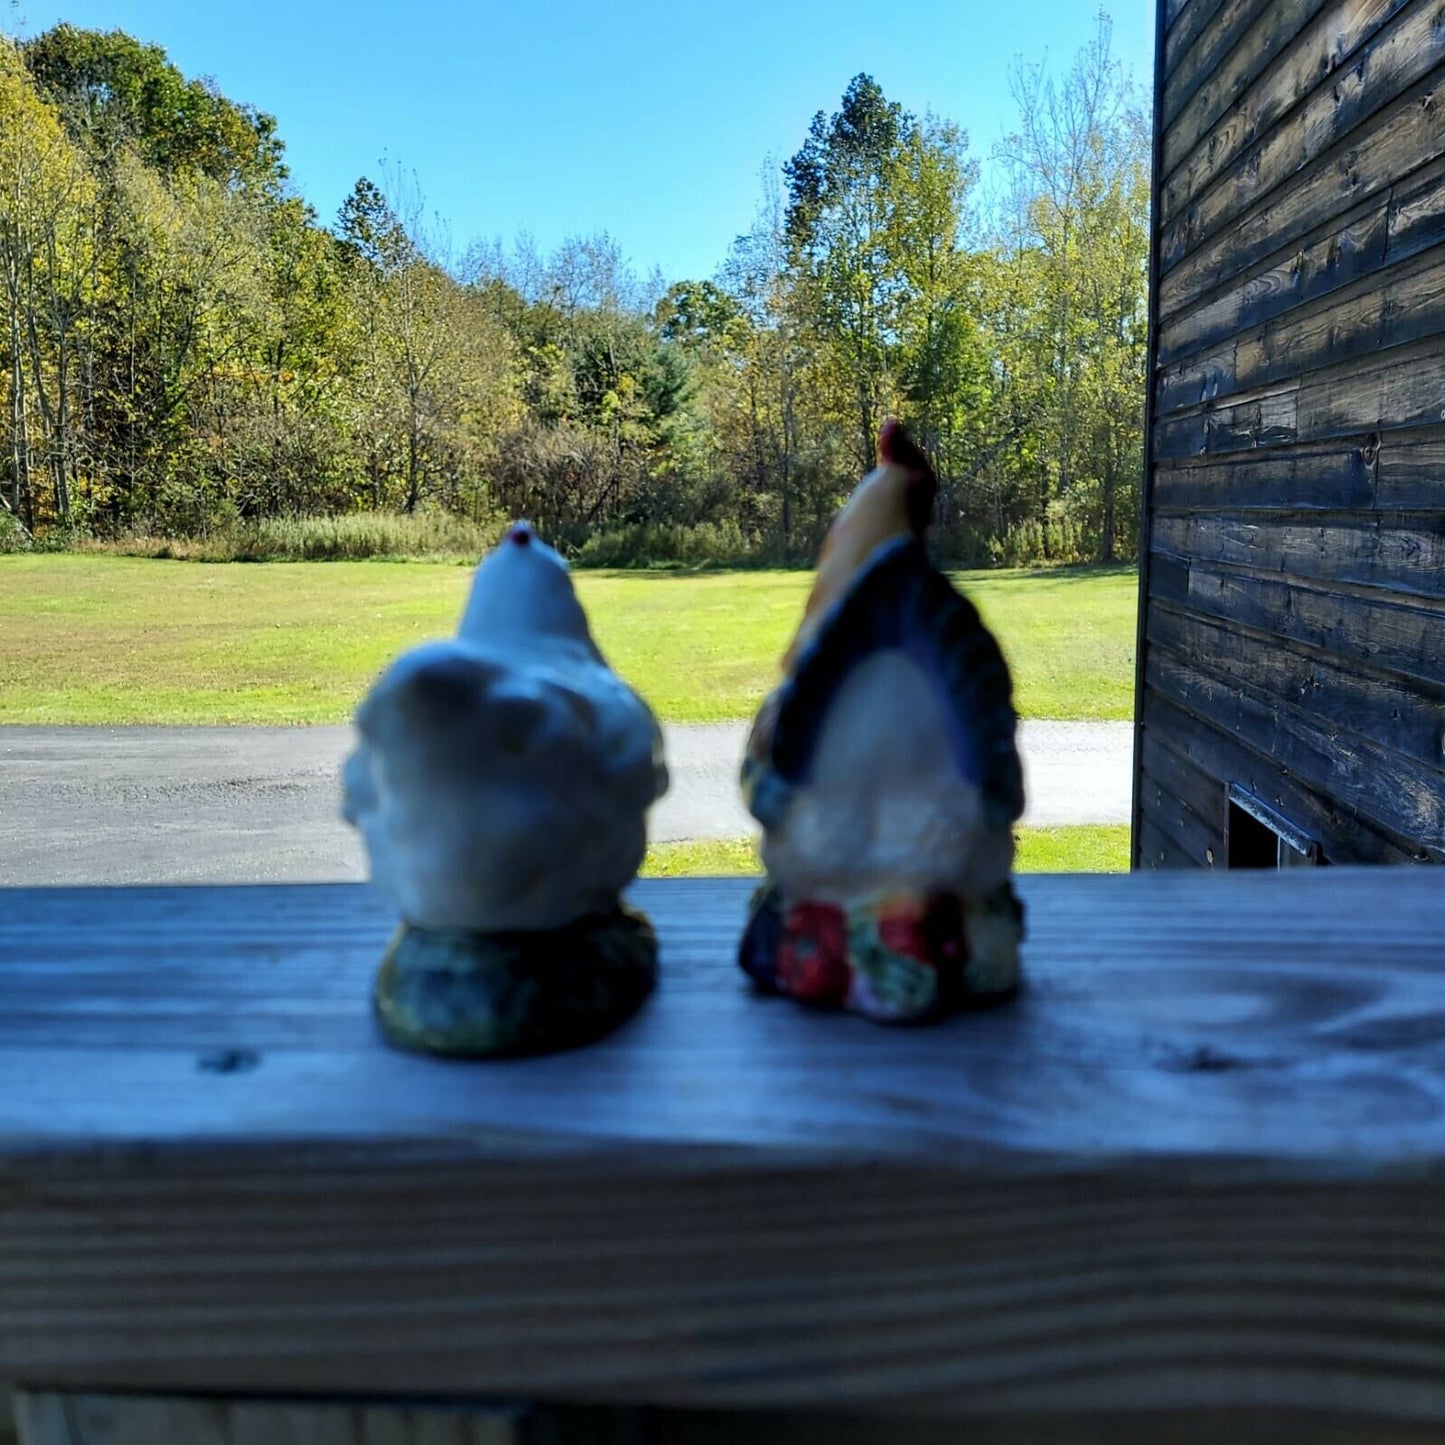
<point x="478" y="994"/>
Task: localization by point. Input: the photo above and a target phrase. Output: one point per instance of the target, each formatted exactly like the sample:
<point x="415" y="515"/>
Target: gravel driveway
<point x="232" y="805"/>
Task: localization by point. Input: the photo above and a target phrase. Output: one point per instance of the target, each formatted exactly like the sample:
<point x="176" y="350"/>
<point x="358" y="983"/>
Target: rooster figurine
<point x="501" y="785"/>
<point x="884" y="772"/>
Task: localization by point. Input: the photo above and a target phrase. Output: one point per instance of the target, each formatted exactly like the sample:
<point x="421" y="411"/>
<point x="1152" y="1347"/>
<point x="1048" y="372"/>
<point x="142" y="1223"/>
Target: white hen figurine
<point x="501" y="784"/>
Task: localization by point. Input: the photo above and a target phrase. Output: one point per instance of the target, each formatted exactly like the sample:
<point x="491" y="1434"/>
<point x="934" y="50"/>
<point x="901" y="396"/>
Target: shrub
<point x="666" y="544"/>
<point x="13" y="536"/>
<point x="355" y="536"/>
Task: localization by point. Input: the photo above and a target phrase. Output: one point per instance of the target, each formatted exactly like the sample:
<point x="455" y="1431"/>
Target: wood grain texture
<point x="1196" y="1165"/>
<point x="1186" y="72"/>
<point x="1342" y="99"/>
<point x="1179" y="783"/>
<point x="1386" y="309"/>
<point x="1184" y="24"/>
<point x="1399" y="795"/>
<point x="1411" y="474"/>
<point x="1402" y="388"/>
<point x="1403" y="136"/>
<point x="1336" y="477"/>
<point x="1200" y="843"/>
<point x="1293" y="613"/>
<point x="1197" y="156"/>
<point x="50" y="1418"/>
<point x="1273" y="31"/>
<point x="1397" y="390"/>
<point x="1397" y="552"/>
<point x="1156" y="849"/>
<point x="1405" y="718"/>
<point x="1268" y="419"/>
<point x="1343" y="249"/>
<point x="1208" y="743"/>
<point x="1388" y="634"/>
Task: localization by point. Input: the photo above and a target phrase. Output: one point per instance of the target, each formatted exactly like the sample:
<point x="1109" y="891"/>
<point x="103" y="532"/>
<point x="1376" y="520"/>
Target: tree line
<point x="184" y="347"/>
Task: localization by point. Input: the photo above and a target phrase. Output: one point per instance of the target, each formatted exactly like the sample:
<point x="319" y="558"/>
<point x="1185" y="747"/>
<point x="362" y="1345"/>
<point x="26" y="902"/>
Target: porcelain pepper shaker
<point x="885" y="774"/>
<point x="501" y="785"/>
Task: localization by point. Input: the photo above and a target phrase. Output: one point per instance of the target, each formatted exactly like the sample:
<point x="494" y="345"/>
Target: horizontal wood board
<point x="1196" y="1165"/>
<point x="1293" y="617"/>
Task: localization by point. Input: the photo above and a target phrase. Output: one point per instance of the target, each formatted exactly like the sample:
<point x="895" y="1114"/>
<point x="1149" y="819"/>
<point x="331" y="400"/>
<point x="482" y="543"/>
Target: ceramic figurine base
<point x="902" y="960"/>
<point x="474" y="995"/>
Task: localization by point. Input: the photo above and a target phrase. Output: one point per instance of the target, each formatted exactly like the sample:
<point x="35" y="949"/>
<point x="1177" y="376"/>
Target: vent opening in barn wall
<point x="1255" y="836"/>
<point x="1292" y="619"/>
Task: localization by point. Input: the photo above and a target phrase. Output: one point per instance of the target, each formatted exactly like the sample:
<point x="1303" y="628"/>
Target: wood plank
<point x="1387" y="634"/>
<point x="1411" y="475"/>
<point x="1192" y="21"/>
<point x="1386" y="231"/>
<point x="1345" y="835"/>
<point x="1266" y="419"/>
<point x="1384" y="552"/>
<point x="1198" y="1161"/>
<point x="1352" y="248"/>
<point x="1189" y="833"/>
<point x="1336" y="691"/>
<point x="1180" y="779"/>
<point x="1383" y="472"/>
<point x="1176" y="822"/>
<point x="1400" y="796"/>
<point x="1395" y="390"/>
<point x="1340" y="82"/>
<point x="48" y="1418"/>
<point x="1265" y="49"/>
<point x="1392" y="143"/>
<point x="1225" y="30"/>
<point x="1394" y="307"/>
<point x="1157" y="850"/>
<point x="1417" y="213"/>
<point x="1331" y="478"/>
<point x="1404" y="387"/>
<point x="1405" y="305"/>
<point x="1199" y="378"/>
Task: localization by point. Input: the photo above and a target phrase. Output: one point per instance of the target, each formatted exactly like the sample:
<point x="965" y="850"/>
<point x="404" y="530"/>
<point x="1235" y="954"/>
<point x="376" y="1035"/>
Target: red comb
<point x="897" y="448"/>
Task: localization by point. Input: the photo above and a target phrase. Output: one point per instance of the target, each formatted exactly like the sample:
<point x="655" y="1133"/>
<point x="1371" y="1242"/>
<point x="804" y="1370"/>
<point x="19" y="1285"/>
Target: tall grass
<point x="355" y="537"/>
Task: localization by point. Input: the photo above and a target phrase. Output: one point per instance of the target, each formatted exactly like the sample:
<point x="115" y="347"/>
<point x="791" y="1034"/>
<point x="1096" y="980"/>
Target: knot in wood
<point x="229" y="1061"/>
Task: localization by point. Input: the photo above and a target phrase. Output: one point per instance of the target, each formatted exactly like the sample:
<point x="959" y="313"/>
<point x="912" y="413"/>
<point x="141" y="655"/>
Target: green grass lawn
<point x="1102" y="848"/>
<point x="86" y="639"/>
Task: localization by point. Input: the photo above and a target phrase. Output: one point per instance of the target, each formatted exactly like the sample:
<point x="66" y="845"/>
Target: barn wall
<point x="1293" y="620"/>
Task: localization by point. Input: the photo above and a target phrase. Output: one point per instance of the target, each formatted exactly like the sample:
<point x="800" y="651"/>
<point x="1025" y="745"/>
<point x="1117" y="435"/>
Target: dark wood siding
<point x="1292" y="633"/>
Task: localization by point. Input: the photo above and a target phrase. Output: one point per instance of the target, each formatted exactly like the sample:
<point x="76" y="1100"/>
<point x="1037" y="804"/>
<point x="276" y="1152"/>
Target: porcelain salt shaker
<point x="885" y="774"/>
<point x="501" y="783"/>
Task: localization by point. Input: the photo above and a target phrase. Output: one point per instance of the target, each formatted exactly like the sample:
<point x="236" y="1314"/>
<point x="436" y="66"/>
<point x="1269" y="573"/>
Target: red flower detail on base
<point x="813" y="954"/>
<point x="929" y="929"/>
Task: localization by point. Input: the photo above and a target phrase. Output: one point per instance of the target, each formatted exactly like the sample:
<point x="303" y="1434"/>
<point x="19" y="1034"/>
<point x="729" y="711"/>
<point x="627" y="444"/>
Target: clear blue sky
<point x="651" y="121"/>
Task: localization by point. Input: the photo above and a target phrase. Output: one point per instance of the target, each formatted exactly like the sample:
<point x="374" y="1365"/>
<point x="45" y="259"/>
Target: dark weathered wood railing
<point x="1191" y="1178"/>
